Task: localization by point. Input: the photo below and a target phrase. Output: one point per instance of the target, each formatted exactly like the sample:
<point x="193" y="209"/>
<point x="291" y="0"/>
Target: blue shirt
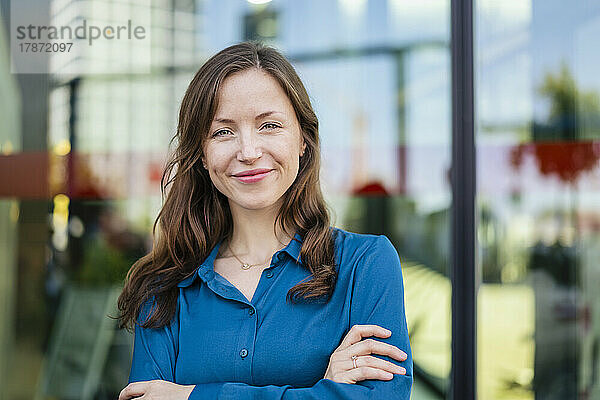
<point x="232" y="348"/>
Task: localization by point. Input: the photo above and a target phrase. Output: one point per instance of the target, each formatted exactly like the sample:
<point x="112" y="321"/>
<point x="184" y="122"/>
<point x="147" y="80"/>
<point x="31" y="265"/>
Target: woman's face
<point x="255" y="128"/>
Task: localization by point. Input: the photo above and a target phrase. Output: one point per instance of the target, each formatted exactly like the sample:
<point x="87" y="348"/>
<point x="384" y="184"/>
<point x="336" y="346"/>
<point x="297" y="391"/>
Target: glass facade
<point x="379" y="76"/>
<point x="538" y="150"/>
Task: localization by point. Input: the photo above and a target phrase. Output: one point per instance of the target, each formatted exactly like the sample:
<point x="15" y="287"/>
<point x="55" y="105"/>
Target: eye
<point x="221" y="132"/>
<point x="271" y="126"/>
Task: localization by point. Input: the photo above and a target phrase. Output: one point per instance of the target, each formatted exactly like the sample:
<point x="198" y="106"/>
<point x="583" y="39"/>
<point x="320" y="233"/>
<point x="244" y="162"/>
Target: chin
<point x="255" y="205"/>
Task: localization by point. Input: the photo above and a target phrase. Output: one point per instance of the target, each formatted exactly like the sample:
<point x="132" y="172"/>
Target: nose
<point x="250" y="148"/>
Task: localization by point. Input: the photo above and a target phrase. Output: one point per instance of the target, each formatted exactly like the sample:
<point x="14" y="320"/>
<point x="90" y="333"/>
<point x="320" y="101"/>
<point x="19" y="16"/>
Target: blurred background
<point x="81" y="156"/>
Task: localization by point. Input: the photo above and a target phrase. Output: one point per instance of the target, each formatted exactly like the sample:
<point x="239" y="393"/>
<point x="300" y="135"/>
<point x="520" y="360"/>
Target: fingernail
<point x="389" y="376"/>
<point x="401" y="370"/>
<point x="388" y="331"/>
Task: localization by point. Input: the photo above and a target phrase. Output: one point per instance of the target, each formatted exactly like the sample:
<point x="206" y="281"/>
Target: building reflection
<point x="538" y="175"/>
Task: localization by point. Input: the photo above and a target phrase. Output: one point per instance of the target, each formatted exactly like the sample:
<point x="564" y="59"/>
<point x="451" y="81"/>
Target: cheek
<point x="284" y="152"/>
<point x="217" y="159"/>
<point x="289" y="158"/>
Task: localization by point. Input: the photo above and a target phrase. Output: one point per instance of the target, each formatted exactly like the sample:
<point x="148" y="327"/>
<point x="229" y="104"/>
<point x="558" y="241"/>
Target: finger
<point x="363" y="373"/>
<point x="372" y="346"/>
<point x="358" y="332"/>
<point x="133" y="390"/>
<point x="376" y="362"/>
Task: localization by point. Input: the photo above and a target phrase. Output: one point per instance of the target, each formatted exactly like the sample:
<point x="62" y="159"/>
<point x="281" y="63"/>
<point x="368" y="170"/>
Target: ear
<point x="303" y="146"/>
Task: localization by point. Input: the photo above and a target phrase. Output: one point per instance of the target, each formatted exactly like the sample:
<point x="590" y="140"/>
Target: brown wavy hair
<point x="195" y="216"/>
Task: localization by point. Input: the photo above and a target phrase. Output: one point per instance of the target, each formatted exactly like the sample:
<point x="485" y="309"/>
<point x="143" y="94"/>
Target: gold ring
<point x="354" y="361"/>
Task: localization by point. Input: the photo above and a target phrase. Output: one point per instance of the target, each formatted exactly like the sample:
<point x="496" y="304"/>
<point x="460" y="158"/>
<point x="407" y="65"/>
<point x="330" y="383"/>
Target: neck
<point x="254" y="239"/>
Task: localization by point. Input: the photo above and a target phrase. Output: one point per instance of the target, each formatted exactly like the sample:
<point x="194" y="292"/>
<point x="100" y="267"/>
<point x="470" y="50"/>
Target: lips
<point x="252" y="172"/>
<point x="252" y="176"/>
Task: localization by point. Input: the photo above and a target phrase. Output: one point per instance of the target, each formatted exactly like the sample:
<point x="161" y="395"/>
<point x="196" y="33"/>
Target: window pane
<point x="378" y="73"/>
<point x="538" y="148"/>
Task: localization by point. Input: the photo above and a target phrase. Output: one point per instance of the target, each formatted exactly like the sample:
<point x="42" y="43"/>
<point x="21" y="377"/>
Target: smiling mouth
<point x="253" y="178"/>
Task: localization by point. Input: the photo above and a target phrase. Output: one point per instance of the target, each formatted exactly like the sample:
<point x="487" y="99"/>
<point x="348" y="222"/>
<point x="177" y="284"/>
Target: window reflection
<point x="538" y="168"/>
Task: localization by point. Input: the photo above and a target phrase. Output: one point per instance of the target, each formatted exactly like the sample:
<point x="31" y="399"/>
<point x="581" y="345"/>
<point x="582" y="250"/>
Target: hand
<point x="156" y="390"/>
<point x="341" y="367"/>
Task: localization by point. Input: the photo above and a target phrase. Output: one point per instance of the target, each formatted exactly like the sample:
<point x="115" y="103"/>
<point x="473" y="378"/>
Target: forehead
<point x="251" y="91"/>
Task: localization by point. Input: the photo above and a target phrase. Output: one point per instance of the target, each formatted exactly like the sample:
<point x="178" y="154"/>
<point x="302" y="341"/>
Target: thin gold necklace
<point x="245" y="266"/>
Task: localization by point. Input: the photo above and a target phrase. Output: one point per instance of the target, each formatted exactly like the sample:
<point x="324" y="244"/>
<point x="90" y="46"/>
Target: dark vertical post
<point x="463" y="204"/>
<point x="71" y="162"/>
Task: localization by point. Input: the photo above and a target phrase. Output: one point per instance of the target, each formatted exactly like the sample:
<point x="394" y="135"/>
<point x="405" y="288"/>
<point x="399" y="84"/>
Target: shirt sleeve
<point x="154" y="350"/>
<point x="377" y="298"/>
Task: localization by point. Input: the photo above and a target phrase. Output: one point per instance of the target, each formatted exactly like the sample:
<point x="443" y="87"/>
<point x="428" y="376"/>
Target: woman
<point x="249" y="292"/>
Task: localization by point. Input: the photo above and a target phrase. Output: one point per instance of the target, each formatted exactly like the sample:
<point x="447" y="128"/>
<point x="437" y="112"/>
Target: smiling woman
<point x="248" y="291"/>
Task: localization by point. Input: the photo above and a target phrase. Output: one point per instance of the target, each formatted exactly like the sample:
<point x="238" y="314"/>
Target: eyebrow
<point x="259" y="116"/>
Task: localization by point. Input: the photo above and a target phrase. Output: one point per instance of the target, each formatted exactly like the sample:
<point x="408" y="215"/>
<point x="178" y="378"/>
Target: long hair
<point x="195" y="216"/>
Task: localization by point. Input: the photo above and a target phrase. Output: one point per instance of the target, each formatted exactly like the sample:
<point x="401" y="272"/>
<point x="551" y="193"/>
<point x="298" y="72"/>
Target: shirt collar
<point x="206" y="270"/>
<point x="294" y="246"/>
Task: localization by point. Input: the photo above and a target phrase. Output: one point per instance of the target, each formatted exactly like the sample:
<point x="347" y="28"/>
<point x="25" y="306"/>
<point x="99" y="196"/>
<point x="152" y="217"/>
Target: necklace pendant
<point x="246" y="266"/>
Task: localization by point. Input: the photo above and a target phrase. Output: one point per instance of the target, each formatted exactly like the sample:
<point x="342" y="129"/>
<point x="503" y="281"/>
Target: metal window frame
<point x="463" y="176"/>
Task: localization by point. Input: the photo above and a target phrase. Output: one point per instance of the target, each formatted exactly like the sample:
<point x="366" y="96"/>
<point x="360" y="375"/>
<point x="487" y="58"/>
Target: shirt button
<point x="243" y="353"/>
<point x="270" y="274"/>
<point x="251" y="311"/>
